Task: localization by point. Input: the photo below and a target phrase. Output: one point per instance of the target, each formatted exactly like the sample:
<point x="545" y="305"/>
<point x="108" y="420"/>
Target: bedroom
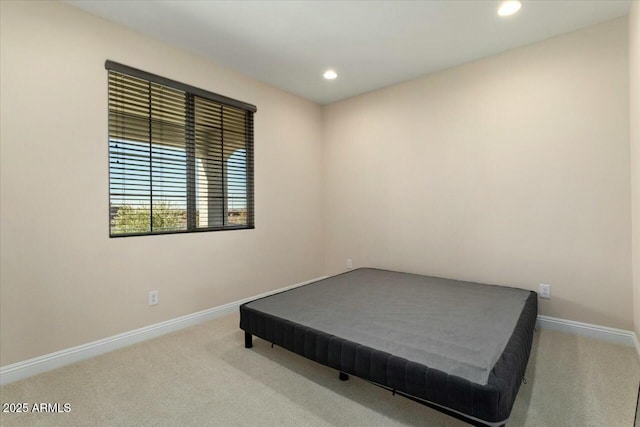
<point x="508" y="164"/>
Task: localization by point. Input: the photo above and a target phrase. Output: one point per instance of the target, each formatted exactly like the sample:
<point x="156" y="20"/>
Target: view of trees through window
<point x="180" y="158"/>
<point x="140" y="210"/>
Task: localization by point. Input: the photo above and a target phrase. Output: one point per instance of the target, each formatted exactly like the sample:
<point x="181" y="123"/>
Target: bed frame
<point x="487" y="404"/>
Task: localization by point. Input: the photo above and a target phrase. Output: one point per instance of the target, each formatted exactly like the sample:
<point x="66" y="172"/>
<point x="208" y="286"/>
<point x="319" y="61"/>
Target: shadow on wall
<point x="586" y="314"/>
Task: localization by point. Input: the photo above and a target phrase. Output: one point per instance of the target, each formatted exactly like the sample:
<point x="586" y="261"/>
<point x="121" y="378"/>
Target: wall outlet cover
<point x="153" y="297"/>
<point x="545" y="291"/>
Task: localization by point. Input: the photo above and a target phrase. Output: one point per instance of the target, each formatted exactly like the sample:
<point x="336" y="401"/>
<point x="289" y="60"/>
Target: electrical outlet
<point x="545" y="291"/>
<point x="349" y="264"/>
<point x="153" y="297"/>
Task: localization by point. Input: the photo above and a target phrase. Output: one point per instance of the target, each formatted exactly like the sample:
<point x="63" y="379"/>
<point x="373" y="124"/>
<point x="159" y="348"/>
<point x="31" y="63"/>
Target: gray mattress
<point x="460" y="328"/>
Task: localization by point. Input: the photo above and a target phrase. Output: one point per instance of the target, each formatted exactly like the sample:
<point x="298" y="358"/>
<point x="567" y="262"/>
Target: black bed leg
<point x="248" y="340"/>
<point x="343" y="376"/>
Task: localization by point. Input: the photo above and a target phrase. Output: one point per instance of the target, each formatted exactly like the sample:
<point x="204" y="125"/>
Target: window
<point x="180" y="158"/>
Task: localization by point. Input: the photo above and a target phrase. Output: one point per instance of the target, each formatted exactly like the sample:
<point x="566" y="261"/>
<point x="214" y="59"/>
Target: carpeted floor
<point x="204" y="376"/>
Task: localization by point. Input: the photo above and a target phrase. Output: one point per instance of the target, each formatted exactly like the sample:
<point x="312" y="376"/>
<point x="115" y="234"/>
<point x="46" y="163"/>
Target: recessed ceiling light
<point x="330" y="74"/>
<point x="509" y="7"/>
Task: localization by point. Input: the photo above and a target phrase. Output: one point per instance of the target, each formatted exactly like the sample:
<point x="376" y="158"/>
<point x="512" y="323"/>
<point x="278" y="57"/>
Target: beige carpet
<point x="204" y="376"/>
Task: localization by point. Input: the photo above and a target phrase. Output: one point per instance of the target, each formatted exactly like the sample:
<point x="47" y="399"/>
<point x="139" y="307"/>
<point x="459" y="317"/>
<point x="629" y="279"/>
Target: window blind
<point x="180" y="158"/>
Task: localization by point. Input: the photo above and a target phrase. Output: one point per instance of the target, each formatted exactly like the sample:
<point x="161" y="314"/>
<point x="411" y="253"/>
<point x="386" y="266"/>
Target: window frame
<point x="191" y="159"/>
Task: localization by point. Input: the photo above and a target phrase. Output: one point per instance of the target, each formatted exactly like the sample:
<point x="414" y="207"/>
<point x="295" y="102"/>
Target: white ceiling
<point x="371" y="44"/>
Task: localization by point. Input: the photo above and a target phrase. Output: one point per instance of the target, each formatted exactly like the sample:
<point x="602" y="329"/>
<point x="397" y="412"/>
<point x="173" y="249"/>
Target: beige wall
<point x="64" y="282"/>
<point x="511" y="170"/>
<point x="634" y="114"/>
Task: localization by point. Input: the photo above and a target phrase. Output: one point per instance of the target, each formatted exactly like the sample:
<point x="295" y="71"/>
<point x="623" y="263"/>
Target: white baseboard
<point x="604" y="333"/>
<point x="48" y="362"/>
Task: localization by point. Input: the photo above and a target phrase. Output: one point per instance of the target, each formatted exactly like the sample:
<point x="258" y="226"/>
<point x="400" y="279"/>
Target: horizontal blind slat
<point x="150" y="129"/>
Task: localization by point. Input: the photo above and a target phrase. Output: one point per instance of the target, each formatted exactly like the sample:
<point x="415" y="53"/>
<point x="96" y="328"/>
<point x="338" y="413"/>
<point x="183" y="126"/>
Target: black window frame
<point x="191" y="93"/>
